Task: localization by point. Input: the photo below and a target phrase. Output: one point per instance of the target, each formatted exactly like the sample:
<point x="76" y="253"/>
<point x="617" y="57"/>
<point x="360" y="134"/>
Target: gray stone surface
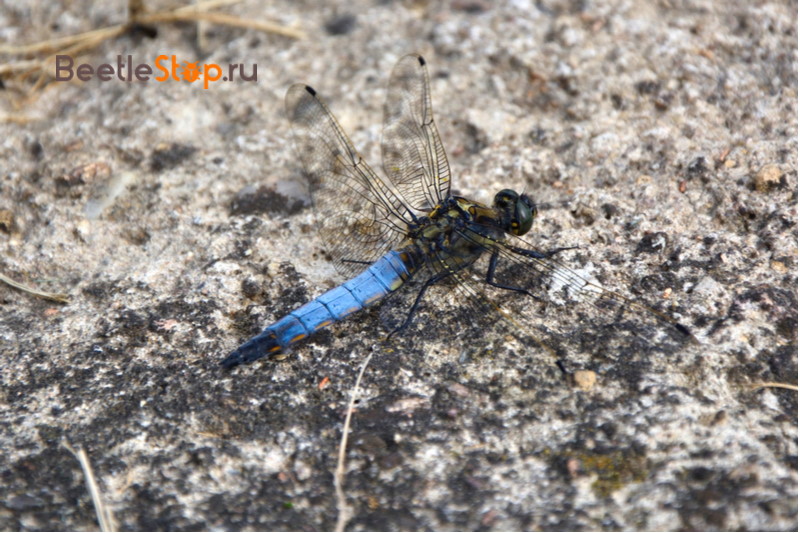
<point x="661" y="137"/>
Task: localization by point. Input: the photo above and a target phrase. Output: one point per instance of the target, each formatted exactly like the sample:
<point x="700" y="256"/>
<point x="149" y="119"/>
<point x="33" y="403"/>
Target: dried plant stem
<point x="221" y="18"/>
<point x="74" y="44"/>
<point x="344" y="510"/>
<point x="104" y="516"/>
<point x="59" y="43"/>
<point x="773" y="384"/>
<point x="62" y="298"/>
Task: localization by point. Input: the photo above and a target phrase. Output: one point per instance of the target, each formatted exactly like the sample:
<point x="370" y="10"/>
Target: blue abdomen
<point x="384" y="276"/>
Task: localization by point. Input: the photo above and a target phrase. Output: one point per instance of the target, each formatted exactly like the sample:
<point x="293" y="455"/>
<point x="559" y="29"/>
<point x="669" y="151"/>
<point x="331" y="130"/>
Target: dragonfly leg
<point x="490" y="277"/>
<point x="541" y="255"/>
<point x="522" y="251"/>
<point x="432" y="280"/>
<point x="357" y="262"/>
<point x="554" y="251"/>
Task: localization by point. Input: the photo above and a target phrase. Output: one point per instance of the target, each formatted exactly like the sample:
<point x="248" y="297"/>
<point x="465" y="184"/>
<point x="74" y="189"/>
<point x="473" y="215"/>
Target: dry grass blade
<point x="205" y="6"/>
<point x="102" y="34"/>
<point x="774" y="385"/>
<point x="74" y="44"/>
<point x="338" y="478"/>
<point x="104" y="516"/>
<point x="223" y="19"/>
<point x="18" y="66"/>
<point x="52" y="45"/>
<point x="16" y="119"/>
<point x="56" y="297"/>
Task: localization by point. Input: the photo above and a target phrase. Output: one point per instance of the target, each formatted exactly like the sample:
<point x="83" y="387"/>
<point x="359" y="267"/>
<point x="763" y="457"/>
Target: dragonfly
<point x="383" y="233"/>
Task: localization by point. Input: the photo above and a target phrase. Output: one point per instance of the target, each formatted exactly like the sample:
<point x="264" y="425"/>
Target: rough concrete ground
<point x="663" y="138"/>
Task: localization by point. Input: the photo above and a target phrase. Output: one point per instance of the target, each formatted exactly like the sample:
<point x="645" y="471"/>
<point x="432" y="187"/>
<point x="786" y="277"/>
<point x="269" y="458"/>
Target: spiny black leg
<point x="434" y="279"/>
<point x="554" y="251"/>
<point x="356" y="262"/>
<point x="490" y="277"/>
<point x="521" y="251"/>
<point x="540" y="255"/>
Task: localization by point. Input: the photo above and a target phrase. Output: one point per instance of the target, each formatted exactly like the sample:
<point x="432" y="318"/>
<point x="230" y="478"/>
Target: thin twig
<point x="338" y="477"/>
<point x="18" y="66"/>
<point x="185" y="13"/>
<point x="773" y="384"/>
<point x="56" y="297"/>
<point x="102" y="34"/>
<point x="222" y="18"/>
<point x="104" y="516"/>
<point x="73" y="44"/>
<point x="16" y="119"/>
<point x="50" y="45"/>
<point x="206" y="6"/>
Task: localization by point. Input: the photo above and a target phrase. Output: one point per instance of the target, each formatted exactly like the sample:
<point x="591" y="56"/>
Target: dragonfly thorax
<point x="458" y="231"/>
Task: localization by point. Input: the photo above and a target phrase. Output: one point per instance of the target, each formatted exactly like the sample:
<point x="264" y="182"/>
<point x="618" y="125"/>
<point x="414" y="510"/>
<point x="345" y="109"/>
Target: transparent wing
<point x="572" y="301"/>
<point x="413" y="156"/>
<point x="553" y="307"/>
<point x="360" y="216"/>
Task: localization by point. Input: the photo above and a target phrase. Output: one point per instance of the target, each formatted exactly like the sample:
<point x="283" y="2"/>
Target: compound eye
<point x="527" y="200"/>
<point x="523" y="216"/>
<point x="505" y="197"/>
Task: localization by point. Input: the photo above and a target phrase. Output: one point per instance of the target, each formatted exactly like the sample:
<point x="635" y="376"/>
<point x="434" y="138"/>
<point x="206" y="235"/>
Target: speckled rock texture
<point x="659" y="137"/>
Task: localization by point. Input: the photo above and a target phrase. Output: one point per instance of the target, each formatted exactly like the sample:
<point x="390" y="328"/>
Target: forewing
<point x="360" y="218"/>
<point x="413" y="156"/>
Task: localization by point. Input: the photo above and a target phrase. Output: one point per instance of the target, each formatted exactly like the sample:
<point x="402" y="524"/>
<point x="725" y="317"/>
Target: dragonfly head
<point x="515" y="210"/>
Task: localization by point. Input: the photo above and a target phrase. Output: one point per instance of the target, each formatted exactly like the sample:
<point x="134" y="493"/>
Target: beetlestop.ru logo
<point x="169" y="67"/>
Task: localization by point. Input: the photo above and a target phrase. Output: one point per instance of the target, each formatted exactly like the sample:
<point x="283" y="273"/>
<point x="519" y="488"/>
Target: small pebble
<point x="585" y="379"/>
<point x="768" y="178"/>
<point x="6" y="220"/>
